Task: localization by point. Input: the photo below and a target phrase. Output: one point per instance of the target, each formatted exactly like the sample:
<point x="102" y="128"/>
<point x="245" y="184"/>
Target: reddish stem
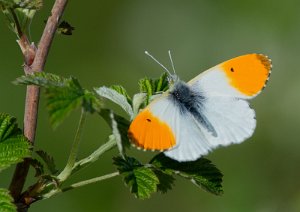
<point x="35" y="60"/>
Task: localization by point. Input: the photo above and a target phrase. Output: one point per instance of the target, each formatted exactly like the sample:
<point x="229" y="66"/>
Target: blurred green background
<point x="107" y="47"/>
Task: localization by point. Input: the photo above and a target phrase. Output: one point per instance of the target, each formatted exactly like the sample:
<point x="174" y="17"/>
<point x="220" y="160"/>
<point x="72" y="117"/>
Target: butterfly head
<point x="172" y="79"/>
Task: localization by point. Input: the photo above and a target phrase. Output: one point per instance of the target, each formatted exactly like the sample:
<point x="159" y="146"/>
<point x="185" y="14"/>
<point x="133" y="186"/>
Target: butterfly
<point x="211" y="110"/>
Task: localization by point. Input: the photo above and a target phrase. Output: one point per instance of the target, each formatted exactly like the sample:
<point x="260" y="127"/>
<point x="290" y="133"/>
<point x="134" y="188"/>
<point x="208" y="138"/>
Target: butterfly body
<point x="211" y="110"/>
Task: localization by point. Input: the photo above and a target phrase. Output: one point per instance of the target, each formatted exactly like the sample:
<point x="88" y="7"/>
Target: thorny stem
<point x="32" y="93"/>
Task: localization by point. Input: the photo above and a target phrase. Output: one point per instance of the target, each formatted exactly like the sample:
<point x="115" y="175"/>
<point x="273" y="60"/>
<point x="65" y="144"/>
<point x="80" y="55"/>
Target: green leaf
<point x="201" y="172"/>
<point x="127" y="164"/>
<point x="19" y="13"/>
<point x="166" y="181"/>
<point x="141" y="180"/>
<point x="121" y="90"/>
<point x="91" y="102"/>
<point x="8" y="127"/>
<point x="115" y="97"/>
<point x="61" y="101"/>
<point x="13" y="150"/>
<point x="122" y="124"/>
<point x="6" y="201"/>
<point x="49" y="161"/>
<point x="43" y="79"/>
<point x="151" y="87"/>
<point x="63" y="95"/>
<point x="14" y="146"/>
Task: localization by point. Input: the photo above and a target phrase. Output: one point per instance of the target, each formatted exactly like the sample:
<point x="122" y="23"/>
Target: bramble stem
<point x="74" y="150"/>
<point x="93" y="180"/>
<point x="32" y="94"/>
<point x="95" y="155"/>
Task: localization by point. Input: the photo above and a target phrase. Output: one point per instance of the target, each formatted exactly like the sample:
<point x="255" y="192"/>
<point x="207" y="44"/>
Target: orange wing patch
<point x="149" y="132"/>
<point x="248" y="73"/>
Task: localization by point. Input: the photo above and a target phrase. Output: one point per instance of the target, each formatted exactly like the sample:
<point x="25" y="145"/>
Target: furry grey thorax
<point x="191" y="102"/>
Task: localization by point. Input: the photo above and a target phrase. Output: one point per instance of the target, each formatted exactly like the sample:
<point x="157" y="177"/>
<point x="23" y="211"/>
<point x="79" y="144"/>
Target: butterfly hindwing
<point x="232" y="119"/>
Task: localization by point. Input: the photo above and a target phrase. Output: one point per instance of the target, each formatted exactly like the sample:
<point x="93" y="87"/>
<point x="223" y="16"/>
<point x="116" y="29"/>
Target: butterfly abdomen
<point x="190" y="102"/>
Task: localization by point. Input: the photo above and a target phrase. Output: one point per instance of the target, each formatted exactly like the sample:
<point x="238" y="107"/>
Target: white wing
<point x="191" y="140"/>
<point x="209" y="111"/>
<point x="233" y="120"/>
<point x="214" y="82"/>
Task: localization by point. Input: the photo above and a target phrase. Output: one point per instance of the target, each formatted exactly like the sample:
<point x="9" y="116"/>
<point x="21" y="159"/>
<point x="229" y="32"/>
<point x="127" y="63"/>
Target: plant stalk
<point x="93" y="180"/>
<point x="95" y="155"/>
<point x="32" y="93"/>
<point x="74" y="150"/>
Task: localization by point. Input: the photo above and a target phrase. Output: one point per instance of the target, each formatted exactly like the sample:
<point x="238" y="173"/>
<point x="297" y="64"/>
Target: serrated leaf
<point x="121" y="90"/>
<point x="141" y="180"/>
<point x="21" y="4"/>
<point x="153" y="86"/>
<point x="14" y="146"/>
<point x="63" y="95"/>
<point x="122" y="124"/>
<point x="19" y="13"/>
<point x="13" y="150"/>
<point x="201" y="172"/>
<point x="166" y="181"/>
<point x="49" y="161"/>
<point x="115" y="97"/>
<point x="146" y="86"/>
<point x="127" y="164"/>
<point x="61" y="102"/>
<point x="8" y="126"/>
<point x="6" y="201"/>
<point x="161" y="84"/>
<point x="43" y="79"/>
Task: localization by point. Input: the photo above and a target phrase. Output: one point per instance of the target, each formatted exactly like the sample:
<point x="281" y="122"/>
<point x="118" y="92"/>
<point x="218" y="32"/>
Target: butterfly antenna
<point x="173" y="67"/>
<point x="153" y="58"/>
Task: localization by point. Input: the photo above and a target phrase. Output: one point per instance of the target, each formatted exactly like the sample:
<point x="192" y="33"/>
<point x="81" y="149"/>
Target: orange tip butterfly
<point x="211" y="110"/>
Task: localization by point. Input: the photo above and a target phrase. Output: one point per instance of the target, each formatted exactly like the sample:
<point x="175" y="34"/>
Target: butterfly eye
<point x="231" y="69"/>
